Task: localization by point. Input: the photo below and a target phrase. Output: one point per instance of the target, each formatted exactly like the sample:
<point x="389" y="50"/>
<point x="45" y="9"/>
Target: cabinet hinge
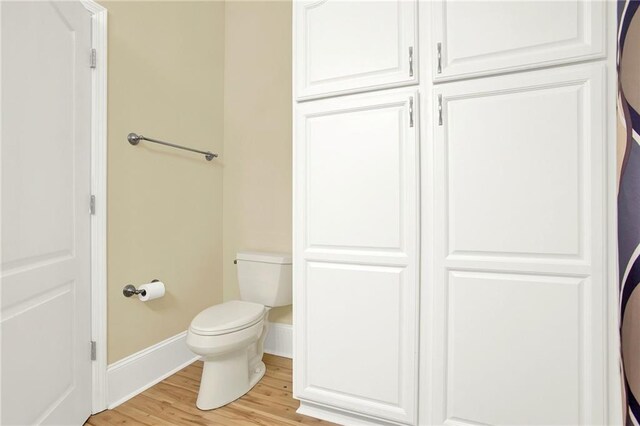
<point x="439" y="110"/>
<point x="411" y="111"/>
<point x="439" y="58"/>
<point x="92" y="204"/>
<point x="410" y="61"/>
<point x="93" y="350"/>
<point x="93" y="58"/>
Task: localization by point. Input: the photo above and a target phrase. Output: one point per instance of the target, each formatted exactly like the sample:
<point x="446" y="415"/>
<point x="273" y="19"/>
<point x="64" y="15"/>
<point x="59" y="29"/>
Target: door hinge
<point x="410" y="61"/>
<point x="439" y="110"/>
<point x="93" y="350"/>
<point x="92" y="204"/>
<point x="411" y="111"/>
<point x="93" y="58"/>
<point x="439" y="58"/>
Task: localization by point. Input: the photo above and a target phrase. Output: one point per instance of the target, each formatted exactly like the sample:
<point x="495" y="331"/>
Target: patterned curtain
<point x="629" y="203"/>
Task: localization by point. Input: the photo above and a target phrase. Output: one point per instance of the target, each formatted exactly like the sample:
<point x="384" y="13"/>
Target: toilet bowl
<point x="230" y="336"/>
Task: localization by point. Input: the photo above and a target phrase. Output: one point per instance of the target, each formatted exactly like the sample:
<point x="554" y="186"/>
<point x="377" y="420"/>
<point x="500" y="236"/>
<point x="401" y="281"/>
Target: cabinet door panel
<point x="483" y="37"/>
<point x="351" y="175"/>
<point x="519" y="275"/>
<point x="509" y="332"/>
<point x="345" y="339"/>
<point x="356" y="254"/>
<point x="353" y="46"/>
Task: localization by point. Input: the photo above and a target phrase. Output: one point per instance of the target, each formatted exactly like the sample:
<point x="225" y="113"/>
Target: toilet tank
<point x="264" y="278"/>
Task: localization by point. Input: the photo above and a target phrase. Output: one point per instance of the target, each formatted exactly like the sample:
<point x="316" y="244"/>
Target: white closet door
<point x="353" y="46"/>
<point x="519" y="292"/>
<point x="482" y="37"/>
<point x="356" y="254"/>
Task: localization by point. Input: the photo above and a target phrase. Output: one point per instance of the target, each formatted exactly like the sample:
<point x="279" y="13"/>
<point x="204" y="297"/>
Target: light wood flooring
<point x="173" y="402"/>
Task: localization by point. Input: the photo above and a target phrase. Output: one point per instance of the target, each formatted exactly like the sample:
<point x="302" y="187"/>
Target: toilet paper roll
<point x="152" y="290"/>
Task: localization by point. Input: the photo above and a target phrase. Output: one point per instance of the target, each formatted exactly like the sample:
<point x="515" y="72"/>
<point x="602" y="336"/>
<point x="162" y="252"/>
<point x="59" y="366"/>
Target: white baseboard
<point x="340" y="417"/>
<point x="138" y="372"/>
<point x="279" y="340"/>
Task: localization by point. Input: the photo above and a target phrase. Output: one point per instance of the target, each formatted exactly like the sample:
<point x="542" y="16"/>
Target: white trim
<point x="138" y="372"/>
<point x="279" y="340"/>
<point x="99" y="190"/>
<point x="339" y="417"/>
<point x="1" y="117"/>
<point x="613" y="383"/>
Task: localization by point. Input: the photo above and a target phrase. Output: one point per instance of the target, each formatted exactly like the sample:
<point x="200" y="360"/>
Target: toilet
<point x="230" y="336"/>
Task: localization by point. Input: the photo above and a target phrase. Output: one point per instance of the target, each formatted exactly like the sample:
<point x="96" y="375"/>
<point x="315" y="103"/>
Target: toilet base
<point x="227" y="379"/>
<point x="232" y="363"/>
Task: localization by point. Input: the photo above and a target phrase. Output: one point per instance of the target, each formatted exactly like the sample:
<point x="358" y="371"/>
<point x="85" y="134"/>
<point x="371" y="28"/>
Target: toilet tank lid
<point x="256" y="256"/>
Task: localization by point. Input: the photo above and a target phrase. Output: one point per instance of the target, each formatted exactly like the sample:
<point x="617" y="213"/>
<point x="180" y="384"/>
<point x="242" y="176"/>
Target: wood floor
<point x="173" y="402"/>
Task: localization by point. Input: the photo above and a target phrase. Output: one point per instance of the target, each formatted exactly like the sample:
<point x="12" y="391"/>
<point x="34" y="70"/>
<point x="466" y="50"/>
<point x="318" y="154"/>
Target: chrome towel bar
<point x="134" y="139"/>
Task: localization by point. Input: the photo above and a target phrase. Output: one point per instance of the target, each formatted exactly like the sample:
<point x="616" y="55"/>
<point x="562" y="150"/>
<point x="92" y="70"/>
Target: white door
<point x="346" y="46"/>
<point x="518" y="297"/>
<point x="45" y="306"/>
<point x="356" y="254"/>
<point x="480" y="37"/>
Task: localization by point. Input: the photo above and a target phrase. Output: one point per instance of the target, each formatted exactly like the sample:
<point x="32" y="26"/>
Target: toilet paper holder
<point x="131" y="290"/>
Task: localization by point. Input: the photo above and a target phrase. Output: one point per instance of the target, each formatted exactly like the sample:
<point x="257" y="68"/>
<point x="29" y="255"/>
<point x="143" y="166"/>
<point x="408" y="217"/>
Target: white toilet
<point x="230" y="336"/>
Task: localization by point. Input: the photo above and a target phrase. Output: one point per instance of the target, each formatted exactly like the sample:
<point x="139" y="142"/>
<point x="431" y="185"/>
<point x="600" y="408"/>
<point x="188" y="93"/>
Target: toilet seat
<point x="227" y="318"/>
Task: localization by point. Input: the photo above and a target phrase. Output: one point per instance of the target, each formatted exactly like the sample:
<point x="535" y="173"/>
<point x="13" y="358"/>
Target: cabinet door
<point x="519" y="291"/>
<point x="356" y="254"/>
<point x="472" y="38"/>
<point x="353" y="46"/>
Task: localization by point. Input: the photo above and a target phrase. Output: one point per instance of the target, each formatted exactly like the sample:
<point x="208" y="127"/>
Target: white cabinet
<point x="353" y="46"/>
<point x="471" y="38"/>
<point x="519" y="314"/>
<point x="356" y="254"/>
<point x="512" y="213"/>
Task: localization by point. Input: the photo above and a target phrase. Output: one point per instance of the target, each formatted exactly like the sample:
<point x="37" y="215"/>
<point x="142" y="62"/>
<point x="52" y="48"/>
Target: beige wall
<point x="165" y="217"/>
<point x="257" y="125"/>
<point x="197" y="73"/>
